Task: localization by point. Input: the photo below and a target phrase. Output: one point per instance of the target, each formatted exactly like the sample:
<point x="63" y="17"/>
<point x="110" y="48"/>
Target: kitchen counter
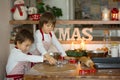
<point x="44" y="71"/>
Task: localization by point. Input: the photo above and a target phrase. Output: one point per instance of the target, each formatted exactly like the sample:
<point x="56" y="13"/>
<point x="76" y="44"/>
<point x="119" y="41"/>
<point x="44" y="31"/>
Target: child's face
<point x="47" y="28"/>
<point x="24" y="46"/>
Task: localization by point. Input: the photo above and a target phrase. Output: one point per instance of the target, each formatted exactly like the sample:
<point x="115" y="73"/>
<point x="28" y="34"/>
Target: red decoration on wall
<point x="34" y="17"/>
<point x="114" y="14"/>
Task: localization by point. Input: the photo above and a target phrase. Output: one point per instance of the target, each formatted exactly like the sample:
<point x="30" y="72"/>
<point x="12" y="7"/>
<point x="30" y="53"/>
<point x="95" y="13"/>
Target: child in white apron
<point x="18" y="61"/>
<point x="45" y="36"/>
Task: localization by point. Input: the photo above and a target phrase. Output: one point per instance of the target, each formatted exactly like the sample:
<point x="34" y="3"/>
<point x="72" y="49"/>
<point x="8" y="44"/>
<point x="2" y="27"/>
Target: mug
<point x="114" y="50"/>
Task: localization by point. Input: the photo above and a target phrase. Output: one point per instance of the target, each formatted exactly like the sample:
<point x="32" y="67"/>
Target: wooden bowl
<point x="96" y="53"/>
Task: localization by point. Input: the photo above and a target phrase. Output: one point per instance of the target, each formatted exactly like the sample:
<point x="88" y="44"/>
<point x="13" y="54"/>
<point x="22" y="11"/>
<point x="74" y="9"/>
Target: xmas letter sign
<point x="74" y="34"/>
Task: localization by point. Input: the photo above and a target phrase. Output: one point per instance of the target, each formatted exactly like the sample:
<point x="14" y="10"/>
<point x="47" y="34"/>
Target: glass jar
<point x="114" y="50"/>
<point x="119" y="50"/>
<point x="106" y="38"/>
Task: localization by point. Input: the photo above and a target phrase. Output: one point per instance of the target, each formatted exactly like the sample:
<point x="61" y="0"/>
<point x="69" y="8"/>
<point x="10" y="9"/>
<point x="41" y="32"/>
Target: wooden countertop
<point x="68" y="72"/>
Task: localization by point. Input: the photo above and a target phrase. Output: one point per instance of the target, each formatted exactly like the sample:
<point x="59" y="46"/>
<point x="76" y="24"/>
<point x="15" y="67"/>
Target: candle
<point x="82" y="45"/>
<point x="105" y="14"/>
<point x="72" y="46"/>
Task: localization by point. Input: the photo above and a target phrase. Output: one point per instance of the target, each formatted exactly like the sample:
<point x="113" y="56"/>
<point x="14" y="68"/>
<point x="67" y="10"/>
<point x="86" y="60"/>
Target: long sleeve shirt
<point x="43" y="46"/>
<point x="16" y="57"/>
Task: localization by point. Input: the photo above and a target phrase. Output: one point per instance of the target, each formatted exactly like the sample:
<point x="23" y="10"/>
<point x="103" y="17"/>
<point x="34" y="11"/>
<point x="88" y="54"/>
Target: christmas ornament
<point x="19" y="10"/>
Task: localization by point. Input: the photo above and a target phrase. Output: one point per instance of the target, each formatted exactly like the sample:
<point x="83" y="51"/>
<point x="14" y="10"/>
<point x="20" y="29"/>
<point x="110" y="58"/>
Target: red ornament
<point x="87" y="71"/>
<point x="72" y="61"/>
<point x="114" y="14"/>
<point x="34" y="17"/>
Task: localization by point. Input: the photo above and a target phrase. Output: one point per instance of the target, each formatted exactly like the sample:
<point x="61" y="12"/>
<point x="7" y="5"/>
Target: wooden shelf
<point x="66" y="22"/>
<point x="88" y="42"/>
<point x="78" y="42"/>
<point x="87" y="22"/>
<point x="23" y="22"/>
<point x="13" y="22"/>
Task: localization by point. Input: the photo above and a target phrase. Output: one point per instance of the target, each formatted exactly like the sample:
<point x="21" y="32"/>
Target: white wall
<point x="65" y="5"/>
<point x="4" y="34"/>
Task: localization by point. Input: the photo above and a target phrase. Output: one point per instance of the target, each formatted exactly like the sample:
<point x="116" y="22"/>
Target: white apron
<point x="18" y="72"/>
<point x="45" y="44"/>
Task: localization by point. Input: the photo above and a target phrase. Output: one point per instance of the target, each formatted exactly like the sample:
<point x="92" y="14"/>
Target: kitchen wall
<point x="4" y="35"/>
<point x="65" y="5"/>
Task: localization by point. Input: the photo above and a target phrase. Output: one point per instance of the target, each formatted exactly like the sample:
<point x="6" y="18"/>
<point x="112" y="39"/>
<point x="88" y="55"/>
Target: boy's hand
<point x="50" y="59"/>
